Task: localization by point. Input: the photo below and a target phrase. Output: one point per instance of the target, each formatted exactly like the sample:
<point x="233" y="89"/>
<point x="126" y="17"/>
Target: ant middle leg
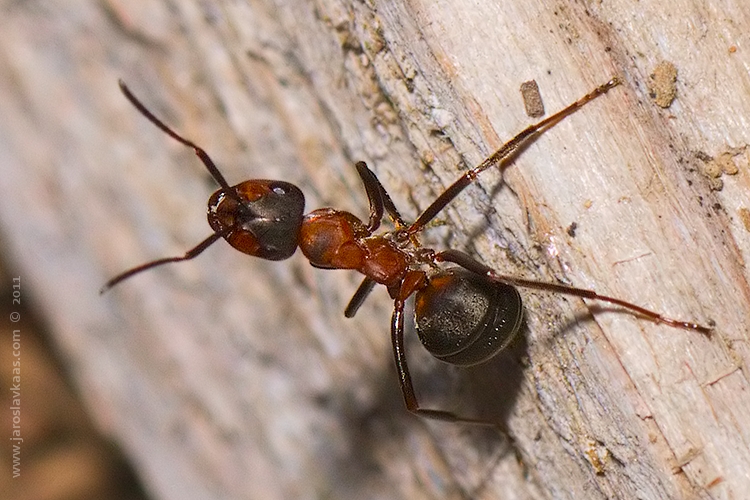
<point x="404" y="378"/>
<point x="504" y="152"/>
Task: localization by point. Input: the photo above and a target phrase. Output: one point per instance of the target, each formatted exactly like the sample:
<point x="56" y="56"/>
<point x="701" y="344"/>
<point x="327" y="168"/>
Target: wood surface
<point x="231" y="377"/>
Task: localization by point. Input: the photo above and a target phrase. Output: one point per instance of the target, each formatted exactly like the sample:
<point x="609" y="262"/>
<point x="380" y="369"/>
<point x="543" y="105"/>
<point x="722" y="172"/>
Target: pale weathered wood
<point x="229" y="377"/>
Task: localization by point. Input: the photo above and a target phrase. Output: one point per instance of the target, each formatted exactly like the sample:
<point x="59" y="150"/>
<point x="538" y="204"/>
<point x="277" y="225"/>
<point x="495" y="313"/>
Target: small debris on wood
<point x="597" y="454"/>
<point x="662" y="84"/>
<point x="726" y="162"/>
<point x="744" y="214"/>
<point x="691" y="454"/>
<point x="723" y="164"/>
<point x="532" y="99"/>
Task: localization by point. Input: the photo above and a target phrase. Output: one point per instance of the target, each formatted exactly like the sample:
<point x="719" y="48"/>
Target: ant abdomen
<point x="463" y="318"/>
<point x="265" y="224"/>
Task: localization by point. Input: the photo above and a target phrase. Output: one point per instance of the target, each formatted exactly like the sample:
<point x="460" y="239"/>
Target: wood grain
<point x="228" y="377"/>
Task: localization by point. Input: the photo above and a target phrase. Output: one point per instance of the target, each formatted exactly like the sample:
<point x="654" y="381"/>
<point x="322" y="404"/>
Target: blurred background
<point x="63" y="455"/>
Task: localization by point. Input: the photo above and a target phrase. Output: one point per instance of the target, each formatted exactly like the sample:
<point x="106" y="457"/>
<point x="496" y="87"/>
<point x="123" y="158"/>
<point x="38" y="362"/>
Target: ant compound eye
<point x="464" y="319"/>
<point x="261" y="218"/>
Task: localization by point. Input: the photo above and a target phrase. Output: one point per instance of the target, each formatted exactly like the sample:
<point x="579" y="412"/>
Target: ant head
<point x="259" y="217"/>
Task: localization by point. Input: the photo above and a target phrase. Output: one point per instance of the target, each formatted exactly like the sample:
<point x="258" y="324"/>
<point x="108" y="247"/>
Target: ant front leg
<point x="378" y="197"/>
<point x="380" y="201"/>
<point x="404" y="378"/>
<point x="359" y="297"/>
<point x="374" y="195"/>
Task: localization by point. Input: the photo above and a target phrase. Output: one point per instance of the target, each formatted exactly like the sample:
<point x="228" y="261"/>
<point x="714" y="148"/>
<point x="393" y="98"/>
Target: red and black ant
<point x="464" y="314"/>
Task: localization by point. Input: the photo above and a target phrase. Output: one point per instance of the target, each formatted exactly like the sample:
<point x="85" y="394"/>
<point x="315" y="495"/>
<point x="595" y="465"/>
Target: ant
<point x="464" y="314"/>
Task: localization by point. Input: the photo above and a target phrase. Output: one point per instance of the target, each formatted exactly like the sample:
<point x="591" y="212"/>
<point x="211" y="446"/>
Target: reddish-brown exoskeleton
<point x="464" y="314"/>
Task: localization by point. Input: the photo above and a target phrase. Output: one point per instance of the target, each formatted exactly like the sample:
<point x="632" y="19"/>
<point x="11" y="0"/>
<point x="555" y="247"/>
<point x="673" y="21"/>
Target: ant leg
<point x="359" y="297"/>
<point x="199" y="151"/>
<point x="378" y="197"/>
<point x="148" y="265"/>
<point x="404" y="378"/>
<point x="505" y="151"/>
<point x="393" y="213"/>
<point x="374" y="196"/>
<point x="467" y="262"/>
<point x="380" y="201"/>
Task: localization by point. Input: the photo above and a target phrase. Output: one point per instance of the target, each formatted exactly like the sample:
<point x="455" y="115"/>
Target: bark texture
<point x="229" y="377"/>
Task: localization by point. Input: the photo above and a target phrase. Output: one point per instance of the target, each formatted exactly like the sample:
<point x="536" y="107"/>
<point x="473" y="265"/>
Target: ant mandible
<point x="464" y="314"/>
